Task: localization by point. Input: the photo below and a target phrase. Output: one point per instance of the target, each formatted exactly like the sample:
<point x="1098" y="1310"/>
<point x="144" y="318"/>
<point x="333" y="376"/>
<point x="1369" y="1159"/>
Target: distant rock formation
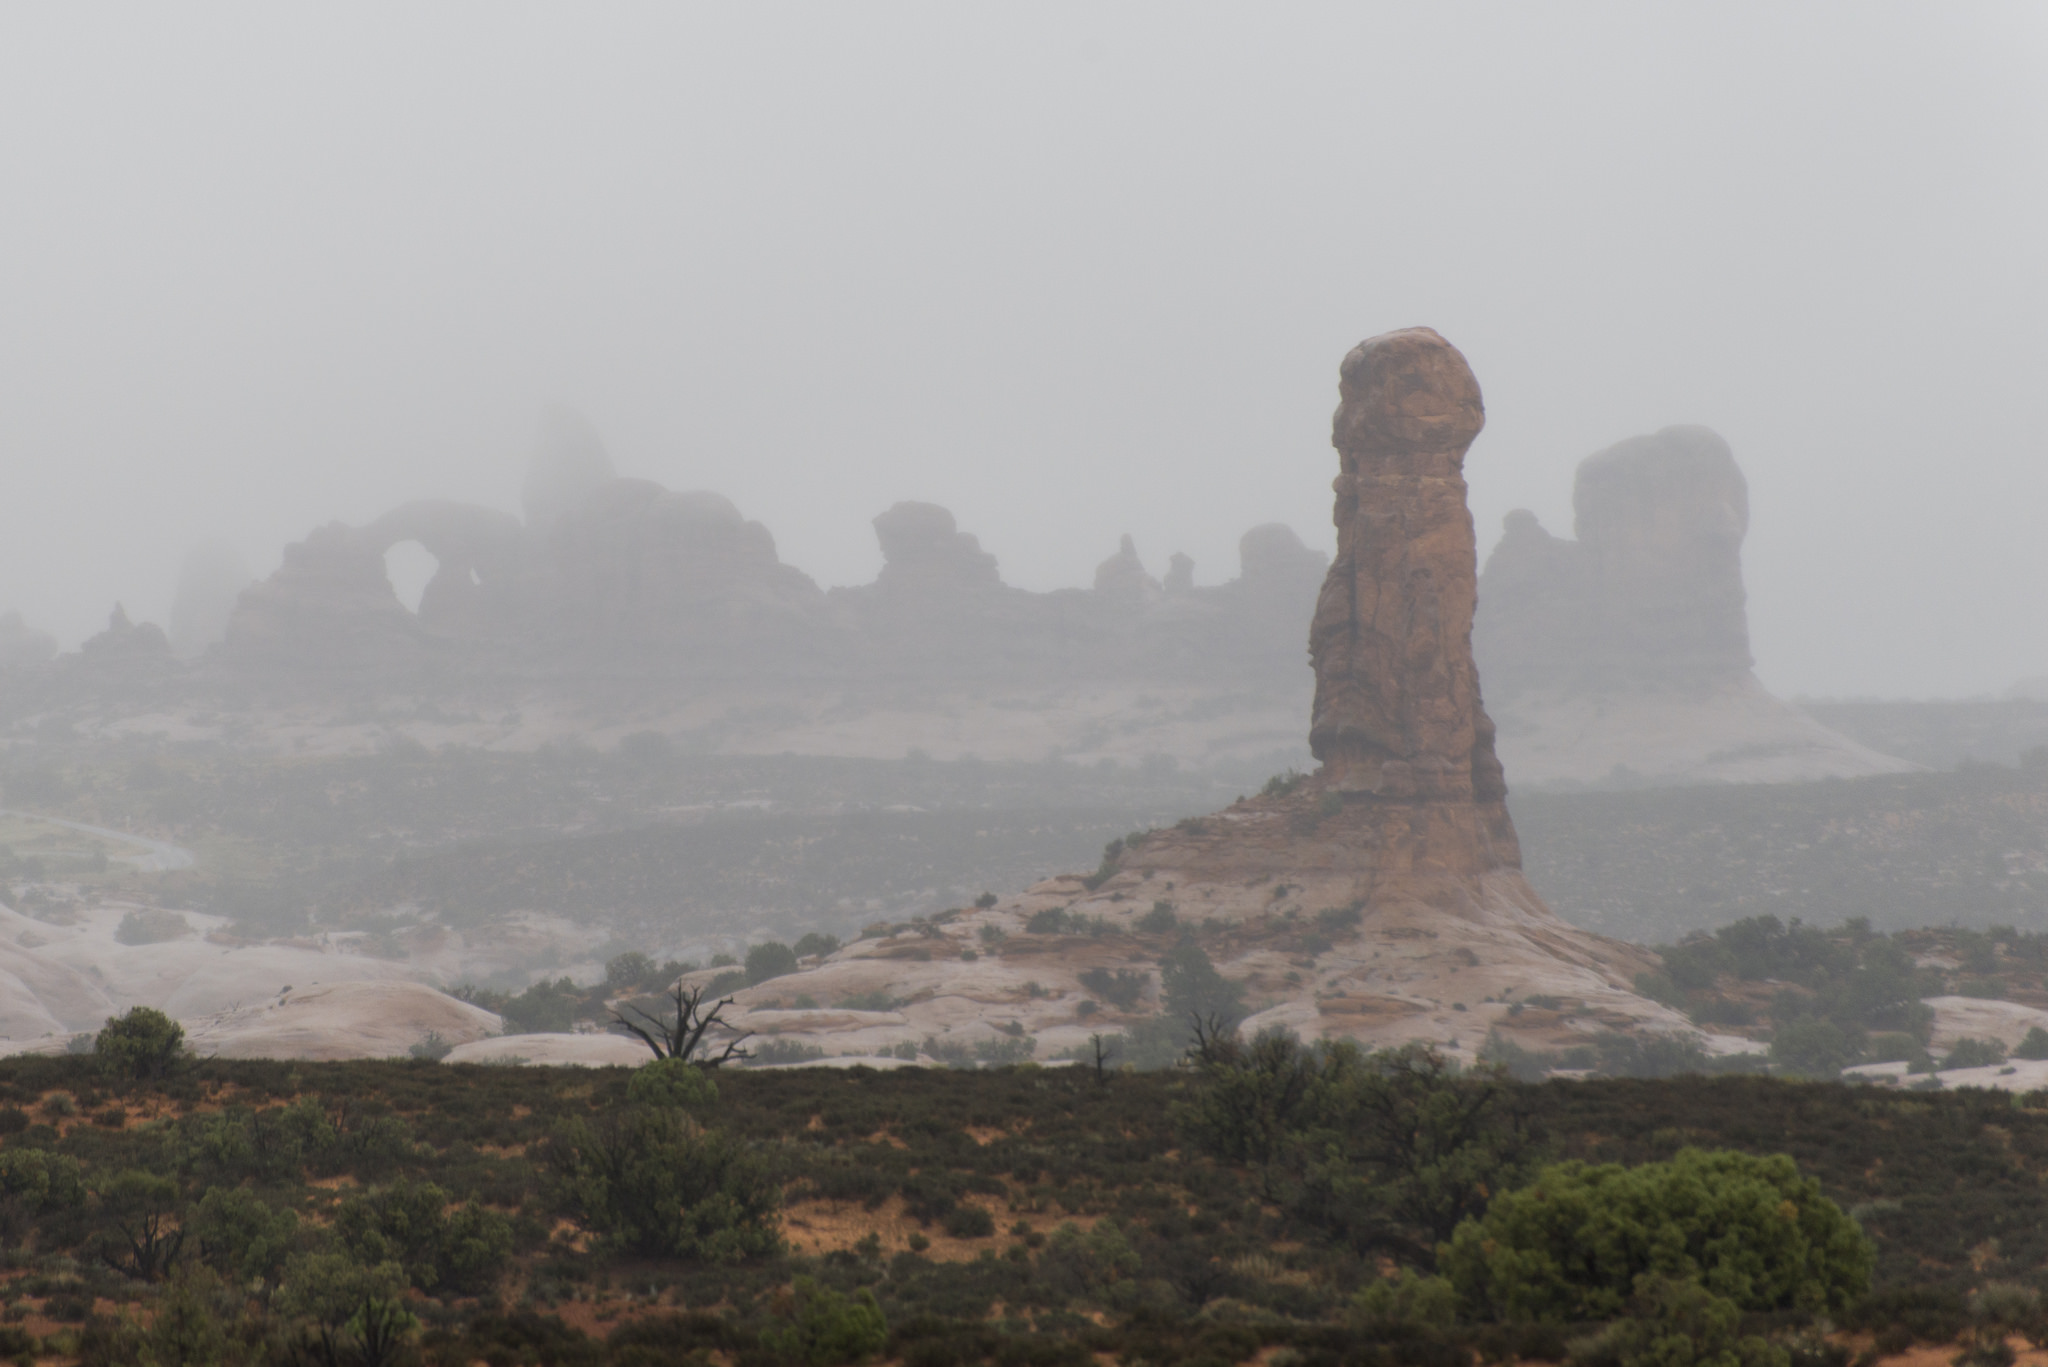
<point x="569" y="463"/>
<point x="1379" y="899"/>
<point x="131" y="660"/>
<point x="209" y="583"/>
<point x="616" y="578"/>
<point x="1623" y="656"/>
<point x="1122" y="577"/>
<point x="21" y="645"/>
<point x="923" y="551"/>
<point x="1649" y="595"/>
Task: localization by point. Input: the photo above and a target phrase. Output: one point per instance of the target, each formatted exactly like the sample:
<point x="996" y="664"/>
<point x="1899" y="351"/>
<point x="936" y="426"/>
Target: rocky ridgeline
<point x="608" y="576"/>
<point x="1618" y="658"/>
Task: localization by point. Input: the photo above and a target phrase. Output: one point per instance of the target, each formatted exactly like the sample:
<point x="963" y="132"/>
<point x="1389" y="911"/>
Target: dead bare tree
<point x="681" y="1035"/>
<point x="1215" y="1042"/>
<point x="1105" y="1051"/>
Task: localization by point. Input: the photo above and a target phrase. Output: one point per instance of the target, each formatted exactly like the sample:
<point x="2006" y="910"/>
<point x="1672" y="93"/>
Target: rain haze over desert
<point x="1066" y="271"/>
<point x="939" y="684"/>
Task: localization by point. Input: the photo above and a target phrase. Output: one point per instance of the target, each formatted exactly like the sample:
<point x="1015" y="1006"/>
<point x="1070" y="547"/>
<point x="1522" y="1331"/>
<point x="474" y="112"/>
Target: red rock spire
<point x="1397" y="710"/>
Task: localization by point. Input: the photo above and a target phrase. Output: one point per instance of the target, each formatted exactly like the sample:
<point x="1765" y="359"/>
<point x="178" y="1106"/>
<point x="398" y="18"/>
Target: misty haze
<point x="1159" y="684"/>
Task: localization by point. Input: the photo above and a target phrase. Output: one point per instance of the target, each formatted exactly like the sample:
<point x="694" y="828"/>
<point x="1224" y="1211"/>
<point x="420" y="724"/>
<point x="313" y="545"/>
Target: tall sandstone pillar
<point x="1397" y="717"/>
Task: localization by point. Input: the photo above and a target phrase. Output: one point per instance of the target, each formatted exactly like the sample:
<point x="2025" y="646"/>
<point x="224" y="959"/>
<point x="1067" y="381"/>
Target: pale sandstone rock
<point x="554" y="1050"/>
<point x="1975" y="1018"/>
<point x="341" y="1021"/>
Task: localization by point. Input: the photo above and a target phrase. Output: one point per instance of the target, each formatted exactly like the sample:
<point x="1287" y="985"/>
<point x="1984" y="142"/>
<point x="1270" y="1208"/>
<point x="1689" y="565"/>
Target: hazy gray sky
<point x="1071" y="270"/>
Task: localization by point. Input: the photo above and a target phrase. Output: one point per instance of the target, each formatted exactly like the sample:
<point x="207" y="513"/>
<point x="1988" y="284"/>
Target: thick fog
<point x="1071" y="271"/>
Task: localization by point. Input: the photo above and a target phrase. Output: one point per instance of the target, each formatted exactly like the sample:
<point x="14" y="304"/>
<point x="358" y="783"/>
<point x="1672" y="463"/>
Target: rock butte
<point x="1405" y="821"/>
<point x="1623" y="655"/>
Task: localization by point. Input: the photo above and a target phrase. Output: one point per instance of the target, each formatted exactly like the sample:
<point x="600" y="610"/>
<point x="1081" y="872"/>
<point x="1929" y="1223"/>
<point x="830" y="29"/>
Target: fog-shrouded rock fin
<point x="567" y="465"/>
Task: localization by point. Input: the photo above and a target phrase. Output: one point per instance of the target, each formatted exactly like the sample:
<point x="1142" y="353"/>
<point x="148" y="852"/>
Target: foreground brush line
<point x="259" y="1212"/>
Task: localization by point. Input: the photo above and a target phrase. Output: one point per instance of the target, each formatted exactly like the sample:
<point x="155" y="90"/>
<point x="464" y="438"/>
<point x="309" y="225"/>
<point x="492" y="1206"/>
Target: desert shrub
<point x="1341" y="918"/>
<point x="34" y="1180"/>
<point x="546" y="1008"/>
<point x="110" y="1341"/>
<point x="143" y="1045"/>
<point x="653" y="1181"/>
<point x="187" y="1328"/>
<point x="1570" y="1245"/>
<point x="1659" y="987"/>
<point x="1193" y="990"/>
<point x="1675" y="1320"/>
<point x="431" y="1048"/>
<point x="1121" y="988"/>
<point x="2033" y="1046"/>
<point x="815" y="942"/>
<point x="1723" y="1011"/>
<point x="969" y="1222"/>
<point x="1051" y="921"/>
<point x="1159" y="920"/>
<point x="1087" y="1264"/>
<point x="531" y="1339"/>
<point x="632" y="969"/>
<point x="1895" y="1047"/>
<point x="355" y="1311"/>
<point x="877" y="1000"/>
<point x="1975" y="1053"/>
<point x="671" y="1082"/>
<point x="1929" y="1314"/>
<point x="1513" y="1060"/>
<point x="1407" y="1298"/>
<point x="784" y="1051"/>
<point x="408" y="1223"/>
<point x="829" y="1329"/>
<point x="1812" y="1046"/>
<point x="150" y="926"/>
<point x="730" y="981"/>
<point x="770" y="959"/>
<point x="241" y="1235"/>
<point x="1619" y="1055"/>
<point x="273" y="1143"/>
<point x="1281" y="784"/>
<point x="139" y="1233"/>
<point x="954" y="1053"/>
<point x="1256" y="1098"/>
<point x="1393" y="1149"/>
<point x="1112" y="855"/>
<point x="1999" y="1310"/>
<point x="1000" y="1051"/>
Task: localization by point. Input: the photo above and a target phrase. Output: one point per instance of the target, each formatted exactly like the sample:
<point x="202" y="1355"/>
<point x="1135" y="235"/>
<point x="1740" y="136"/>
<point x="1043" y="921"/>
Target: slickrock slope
<point x="1381" y="898"/>
<point x="340" y="1021"/>
<point x="1623" y="656"/>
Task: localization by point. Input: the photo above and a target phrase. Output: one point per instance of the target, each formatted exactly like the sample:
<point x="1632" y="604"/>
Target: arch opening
<point x="410" y="567"/>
